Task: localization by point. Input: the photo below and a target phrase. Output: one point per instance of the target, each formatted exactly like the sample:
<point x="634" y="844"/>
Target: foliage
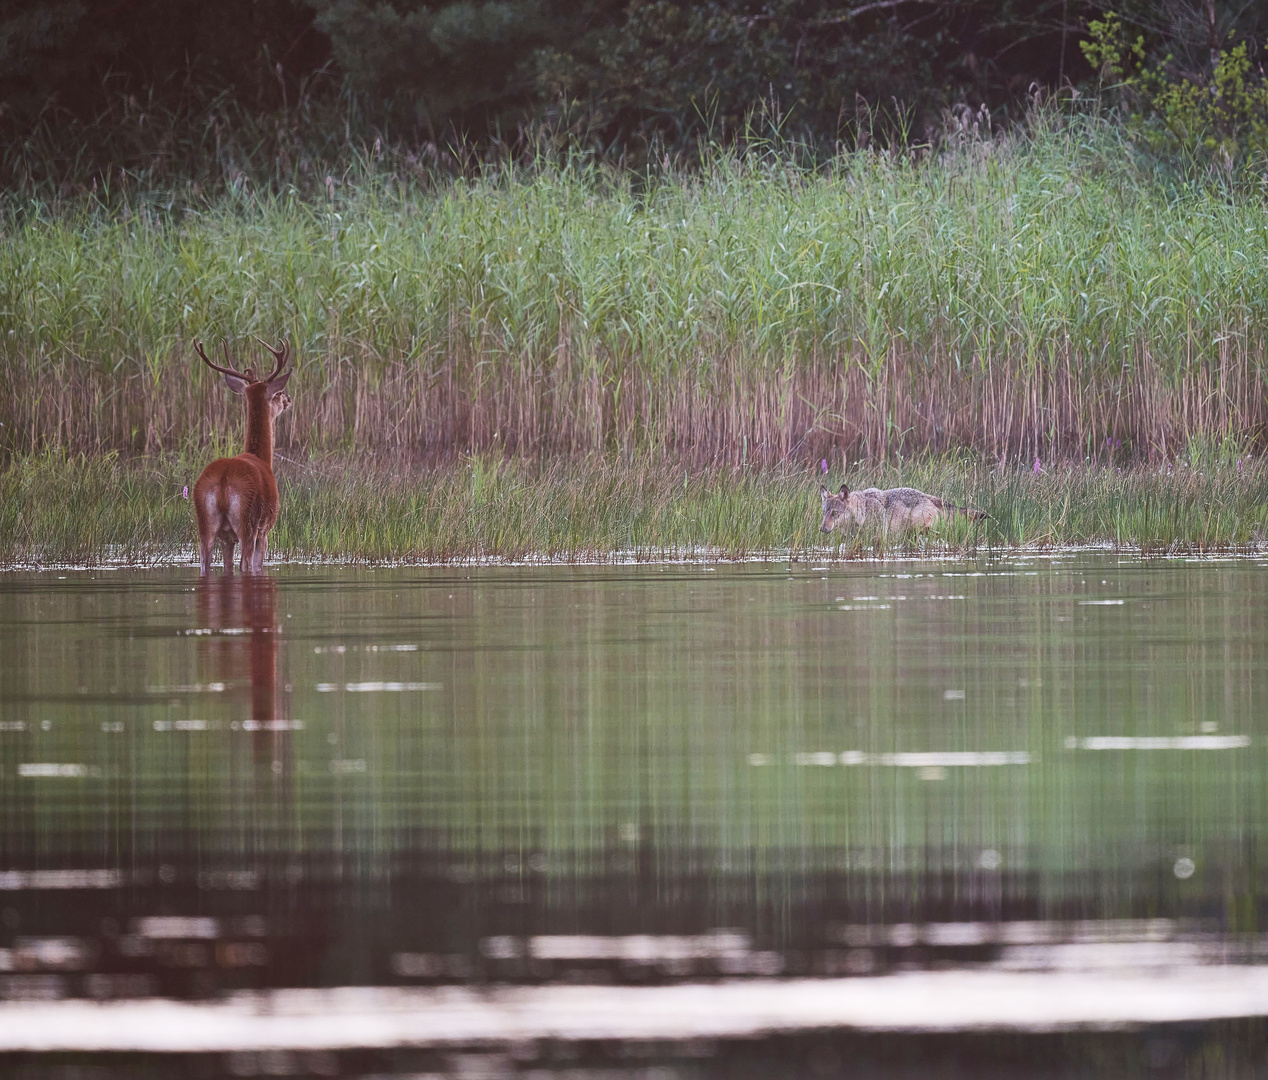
<point x="445" y="70"/>
<point x="91" y="93"/>
<point x="84" y="511"/>
<point x="627" y="75"/>
<point x="676" y="74"/>
<point x="1215" y="117"/>
<point x="216" y="93"/>
<point x="1022" y="295"/>
<point x="56" y="55"/>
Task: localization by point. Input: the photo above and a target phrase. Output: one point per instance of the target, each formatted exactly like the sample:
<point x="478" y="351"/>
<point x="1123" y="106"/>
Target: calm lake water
<point x="903" y="819"/>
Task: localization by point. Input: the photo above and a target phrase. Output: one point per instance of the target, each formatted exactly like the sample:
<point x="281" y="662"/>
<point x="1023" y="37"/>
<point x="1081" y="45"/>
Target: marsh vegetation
<point x="85" y="511"/>
<point x="1015" y="296"/>
<point x="567" y="359"/>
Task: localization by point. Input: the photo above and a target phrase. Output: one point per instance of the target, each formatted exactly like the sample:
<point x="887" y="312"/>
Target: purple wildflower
<point x="185" y="491"/>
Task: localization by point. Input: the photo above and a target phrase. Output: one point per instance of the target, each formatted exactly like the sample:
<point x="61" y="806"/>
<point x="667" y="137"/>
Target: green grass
<point x="59" y="510"/>
<point x="1029" y="295"/>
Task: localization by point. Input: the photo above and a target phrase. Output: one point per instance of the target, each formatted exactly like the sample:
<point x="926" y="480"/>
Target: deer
<point x="235" y="499"/>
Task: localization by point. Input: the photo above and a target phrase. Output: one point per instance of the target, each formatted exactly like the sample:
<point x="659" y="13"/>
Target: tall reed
<point x="1022" y="296"/>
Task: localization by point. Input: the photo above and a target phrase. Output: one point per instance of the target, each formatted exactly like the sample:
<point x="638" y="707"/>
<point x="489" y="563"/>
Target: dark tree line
<point x="616" y="75"/>
<point x="628" y="71"/>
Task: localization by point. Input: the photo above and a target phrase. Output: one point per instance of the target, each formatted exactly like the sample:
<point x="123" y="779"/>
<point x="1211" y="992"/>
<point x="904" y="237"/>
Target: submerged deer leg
<point x="205" y="545"/>
<point x="246" y="562"/>
<point x="261" y="550"/>
<point x="209" y="523"/>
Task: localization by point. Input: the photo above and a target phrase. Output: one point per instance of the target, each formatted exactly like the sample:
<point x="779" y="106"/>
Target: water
<point x="886" y="819"/>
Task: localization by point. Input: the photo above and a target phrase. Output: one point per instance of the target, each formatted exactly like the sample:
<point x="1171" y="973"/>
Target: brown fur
<point x="236" y="499"/>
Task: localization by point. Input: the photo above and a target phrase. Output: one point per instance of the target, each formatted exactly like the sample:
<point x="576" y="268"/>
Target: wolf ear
<point x="845" y="492"/>
<point x="824" y="493"/>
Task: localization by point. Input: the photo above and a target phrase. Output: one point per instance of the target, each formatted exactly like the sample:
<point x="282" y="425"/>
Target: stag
<point x="236" y="498"/>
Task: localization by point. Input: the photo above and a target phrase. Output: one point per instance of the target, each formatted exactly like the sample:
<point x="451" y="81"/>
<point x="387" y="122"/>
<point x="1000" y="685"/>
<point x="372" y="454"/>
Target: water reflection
<point x="468" y="792"/>
<point x="243" y="640"/>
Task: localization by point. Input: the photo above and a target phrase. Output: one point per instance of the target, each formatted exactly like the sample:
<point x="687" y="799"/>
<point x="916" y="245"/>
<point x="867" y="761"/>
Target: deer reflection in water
<point x="244" y="612"/>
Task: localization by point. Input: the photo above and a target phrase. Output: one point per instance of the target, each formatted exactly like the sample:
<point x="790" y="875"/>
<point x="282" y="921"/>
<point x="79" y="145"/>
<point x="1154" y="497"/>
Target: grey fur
<point x="892" y="508"/>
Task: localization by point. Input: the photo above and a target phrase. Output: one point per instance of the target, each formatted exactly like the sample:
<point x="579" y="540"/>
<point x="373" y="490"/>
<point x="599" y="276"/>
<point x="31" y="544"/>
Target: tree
<point x="1190" y="79"/>
<point x="71" y="55"/>
<point x="447" y="70"/>
<point x="633" y="72"/>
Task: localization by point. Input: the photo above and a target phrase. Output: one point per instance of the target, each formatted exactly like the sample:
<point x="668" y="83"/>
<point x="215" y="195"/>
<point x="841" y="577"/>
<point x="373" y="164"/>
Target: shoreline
<point x="59" y="511"/>
<point x="706" y="560"/>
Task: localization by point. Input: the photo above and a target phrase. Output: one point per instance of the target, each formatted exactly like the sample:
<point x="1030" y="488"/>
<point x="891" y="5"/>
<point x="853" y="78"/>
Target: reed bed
<point x="56" y="510"/>
<point x="1017" y="296"/>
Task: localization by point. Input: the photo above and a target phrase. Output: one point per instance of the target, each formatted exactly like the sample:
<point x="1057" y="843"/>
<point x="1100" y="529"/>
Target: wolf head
<point x="835" y="507"/>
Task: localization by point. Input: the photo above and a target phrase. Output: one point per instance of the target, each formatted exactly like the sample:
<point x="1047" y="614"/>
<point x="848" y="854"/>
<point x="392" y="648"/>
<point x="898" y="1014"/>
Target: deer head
<point x="238" y="381"/>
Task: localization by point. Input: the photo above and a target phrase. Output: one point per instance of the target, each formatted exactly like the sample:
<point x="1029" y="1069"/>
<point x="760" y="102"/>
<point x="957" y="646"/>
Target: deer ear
<point x="278" y="384"/>
<point x="237" y="385"/>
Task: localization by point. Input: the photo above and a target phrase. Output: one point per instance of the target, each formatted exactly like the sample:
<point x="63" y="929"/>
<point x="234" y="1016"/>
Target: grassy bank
<point x="85" y="511"/>
<point x="1023" y="295"/>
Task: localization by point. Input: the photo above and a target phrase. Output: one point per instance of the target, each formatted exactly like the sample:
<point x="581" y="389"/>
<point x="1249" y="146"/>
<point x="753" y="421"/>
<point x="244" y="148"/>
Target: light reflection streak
<point x="52" y="769"/>
<point x="381" y="1017"/>
<point x="906" y="760"/>
<point x="16" y="880"/>
<point x="1159" y="742"/>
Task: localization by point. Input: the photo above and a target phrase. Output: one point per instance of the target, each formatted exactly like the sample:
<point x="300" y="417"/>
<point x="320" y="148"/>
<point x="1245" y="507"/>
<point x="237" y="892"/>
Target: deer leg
<point x="206" y="529"/>
<point x="205" y="545"/>
<point x="261" y="550"/>
<point x="245" y="564"/>
<point x="237" y="530"/>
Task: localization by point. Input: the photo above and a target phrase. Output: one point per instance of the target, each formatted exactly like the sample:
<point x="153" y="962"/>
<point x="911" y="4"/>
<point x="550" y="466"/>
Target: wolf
<point x="893" y="508"/>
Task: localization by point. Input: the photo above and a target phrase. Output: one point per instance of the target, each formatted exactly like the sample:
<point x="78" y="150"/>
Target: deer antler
<point x="280" y="355"/>
<point x="198" y="345"/>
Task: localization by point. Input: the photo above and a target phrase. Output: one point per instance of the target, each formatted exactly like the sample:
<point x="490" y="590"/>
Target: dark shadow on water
<point x="1234" y="1050"/>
